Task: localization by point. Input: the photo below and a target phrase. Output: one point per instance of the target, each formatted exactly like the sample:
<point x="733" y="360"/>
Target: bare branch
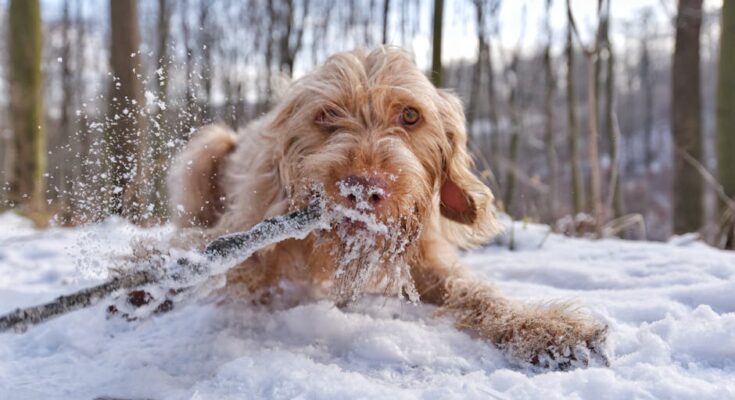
<point x="221" y="255"/>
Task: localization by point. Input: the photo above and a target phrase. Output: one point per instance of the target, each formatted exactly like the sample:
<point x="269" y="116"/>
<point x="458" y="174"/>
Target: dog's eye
<point x="325" y="120"/>
<point x="409" y="116"/>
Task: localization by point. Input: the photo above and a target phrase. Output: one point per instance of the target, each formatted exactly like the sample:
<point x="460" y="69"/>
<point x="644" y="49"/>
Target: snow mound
<point x="670" y="307"/>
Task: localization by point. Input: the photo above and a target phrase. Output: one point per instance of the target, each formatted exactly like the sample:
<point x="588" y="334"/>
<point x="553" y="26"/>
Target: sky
<point x="518" y="20"/>
<point x="460" y="36"/>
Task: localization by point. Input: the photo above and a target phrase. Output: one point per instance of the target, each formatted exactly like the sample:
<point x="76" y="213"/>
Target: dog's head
<point x="382" y="140"/>
<point x="385" y="145"/>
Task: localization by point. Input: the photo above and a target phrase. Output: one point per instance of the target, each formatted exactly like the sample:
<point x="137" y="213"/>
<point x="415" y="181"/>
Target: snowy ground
<point x="671" y="309"/>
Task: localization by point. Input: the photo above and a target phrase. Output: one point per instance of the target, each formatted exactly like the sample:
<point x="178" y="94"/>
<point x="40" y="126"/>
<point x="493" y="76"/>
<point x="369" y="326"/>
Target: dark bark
<point x="726" y="123"/>
<point x="386" y="13"/>
<point x="161" y="134"/>
<point x="726" y="101"/>
<point x="27" y="184"/>
<point x="436" y="49"/>
<point x="688" y="187"/>
<point x="577" y="191"/>
<point x="65" y="179"/>
<point x="549" y="136"/>
<point x="125" y="99"/>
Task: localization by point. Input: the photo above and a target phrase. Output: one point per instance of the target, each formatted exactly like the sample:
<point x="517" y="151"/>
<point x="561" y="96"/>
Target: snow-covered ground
<point x="670" y="307"/>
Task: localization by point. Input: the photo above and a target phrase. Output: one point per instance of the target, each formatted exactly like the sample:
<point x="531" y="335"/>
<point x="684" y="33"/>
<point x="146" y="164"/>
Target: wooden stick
<point x="222" y="254"/>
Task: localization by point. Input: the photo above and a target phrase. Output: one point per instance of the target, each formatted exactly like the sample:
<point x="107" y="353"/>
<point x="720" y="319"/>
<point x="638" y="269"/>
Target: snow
<point x="670" y="307"/>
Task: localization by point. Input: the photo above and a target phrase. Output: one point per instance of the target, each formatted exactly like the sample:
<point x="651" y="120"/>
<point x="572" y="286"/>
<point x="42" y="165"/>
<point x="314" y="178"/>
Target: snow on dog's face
<point x="389" y="151"/>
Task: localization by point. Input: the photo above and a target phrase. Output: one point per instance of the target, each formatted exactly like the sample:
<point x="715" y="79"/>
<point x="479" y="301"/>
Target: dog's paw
<point x="556" y="339"/>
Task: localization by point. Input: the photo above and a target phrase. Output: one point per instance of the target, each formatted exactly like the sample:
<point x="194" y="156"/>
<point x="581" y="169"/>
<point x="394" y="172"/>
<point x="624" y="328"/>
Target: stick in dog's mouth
<point x="219" y="256"/>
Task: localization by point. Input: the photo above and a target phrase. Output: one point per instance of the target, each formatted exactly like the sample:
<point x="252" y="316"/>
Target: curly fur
<point x="343" y="120"/>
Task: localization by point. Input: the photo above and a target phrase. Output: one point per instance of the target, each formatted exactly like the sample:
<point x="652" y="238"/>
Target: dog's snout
<point x="363" y="191"/>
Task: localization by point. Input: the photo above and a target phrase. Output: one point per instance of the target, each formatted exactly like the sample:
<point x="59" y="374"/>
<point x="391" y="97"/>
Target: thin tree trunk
<point x="688" y="187"/>
<point x="125" y="100"/>
<point x="436" y="49"/>
<point x="726" y="101"/>
<point x="726" y="115"/>
<point x="269" y="45"/>
<point x="593" y="113"/>
<point x="647" y="86"/>
<point x="614" y="201"/>
<point x="386" y="14"/>
<point x="550" y="89"/>
<point x="515" y="137"/>
<point x="27" y="185"/>
<point x="477" y="70"/>
<point x="613" y="136"/>
<point x="206" y="48"/>
<point x="66" y="176"/>
<point x="494" y="134"/>
<point x="577" y="190"/>
<point x="190" y="112"/>
<point x="161" y="135"/>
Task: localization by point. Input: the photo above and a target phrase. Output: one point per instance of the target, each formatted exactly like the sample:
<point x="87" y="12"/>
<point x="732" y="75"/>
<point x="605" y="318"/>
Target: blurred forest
<point x="610" y="125"/>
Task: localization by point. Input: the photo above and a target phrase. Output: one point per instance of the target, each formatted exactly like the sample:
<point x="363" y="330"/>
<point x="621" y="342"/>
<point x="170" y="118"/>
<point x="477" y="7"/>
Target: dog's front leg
<point x="553" y="336"/>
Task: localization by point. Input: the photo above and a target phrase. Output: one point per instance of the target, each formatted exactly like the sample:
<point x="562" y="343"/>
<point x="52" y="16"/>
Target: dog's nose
<point x="363" y="191"/>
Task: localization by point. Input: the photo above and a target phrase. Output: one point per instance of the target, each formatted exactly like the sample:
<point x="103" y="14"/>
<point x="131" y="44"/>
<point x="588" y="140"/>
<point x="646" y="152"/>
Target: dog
<point x="388" y="149"/>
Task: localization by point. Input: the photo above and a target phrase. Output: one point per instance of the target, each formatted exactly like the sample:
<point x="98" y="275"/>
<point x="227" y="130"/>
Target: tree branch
<point x="221" y="255"/>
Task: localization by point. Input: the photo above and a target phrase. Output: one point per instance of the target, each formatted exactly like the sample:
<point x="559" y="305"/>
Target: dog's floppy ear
<point x="463" y="197"/>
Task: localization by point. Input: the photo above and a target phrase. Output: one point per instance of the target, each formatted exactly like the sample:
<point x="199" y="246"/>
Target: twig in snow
<point x="221" y="255"/>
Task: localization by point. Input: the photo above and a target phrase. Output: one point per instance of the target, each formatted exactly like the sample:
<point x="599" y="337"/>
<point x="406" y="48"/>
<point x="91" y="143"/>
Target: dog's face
<point x="387" y="148"/>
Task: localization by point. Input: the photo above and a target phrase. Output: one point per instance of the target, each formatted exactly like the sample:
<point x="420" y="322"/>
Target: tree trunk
<point x="688" y="186"/>
<point x="124" y="101"/>
<point x="726" y="101"/>
<point x="549" y="136"/>
<point x="647" y="87"/>
<point x="65" y="179"/>
<point x="477" y="72"/>
<point x="27" y="185"/>
<point x="161" y="135"/>
<point x="190" y="115"/>
<point x="436" y="49"/>
<point x="386" y="13"/>
<point x="613" y="136"/>
<point x="615" y="200"/>
<point x="515" y="135"/>
<point x="726" y="120"/>
<point x="577" y="190"/>
<point x="593" y="113"/>
<point x="494" y="139"/>
<point x="206" y="47"/>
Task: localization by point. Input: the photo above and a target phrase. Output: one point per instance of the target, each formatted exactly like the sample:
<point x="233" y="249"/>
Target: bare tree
<point x="27" y="185"/>
<point x="160" y="133"/>
<point x="516" y="129"/>
<point x="291" y="33"/>
<point x="577" y="190"/>
<point x="646" y="78"/>
<point x="66" y="176"/>
<point x="549" y="92"/>
<point x="591" y="54"/>
<point x="615" y="198"/>
<point x="190" y="114"/>
<point x="125" y="99"/>
<point x="206" y="47"/>
<point x="688" y="187"/>
<point x="726" y="117"/>
<point x="436" y="48"/>
<point x="386" y="14"/>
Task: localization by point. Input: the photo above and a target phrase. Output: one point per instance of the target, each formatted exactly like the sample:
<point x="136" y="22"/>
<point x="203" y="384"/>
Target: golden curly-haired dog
<point x="389" y="149"/>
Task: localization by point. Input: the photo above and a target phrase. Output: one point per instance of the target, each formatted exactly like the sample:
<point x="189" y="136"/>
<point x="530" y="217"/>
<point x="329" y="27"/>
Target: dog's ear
<point x="463" y="197"/>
